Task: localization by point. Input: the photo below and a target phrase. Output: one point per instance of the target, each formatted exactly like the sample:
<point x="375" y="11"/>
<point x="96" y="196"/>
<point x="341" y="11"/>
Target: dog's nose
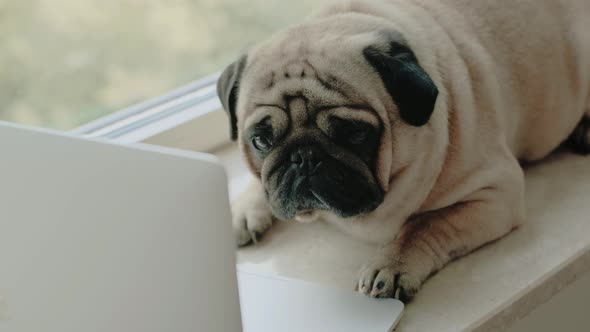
<point x="307" y="159"/>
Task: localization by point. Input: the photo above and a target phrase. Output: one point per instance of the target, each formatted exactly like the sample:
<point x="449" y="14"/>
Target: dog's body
<point x="512" y="82"/>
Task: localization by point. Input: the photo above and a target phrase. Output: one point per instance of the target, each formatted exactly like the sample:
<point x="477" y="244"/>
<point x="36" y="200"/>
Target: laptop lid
<point x="103" y="237"/>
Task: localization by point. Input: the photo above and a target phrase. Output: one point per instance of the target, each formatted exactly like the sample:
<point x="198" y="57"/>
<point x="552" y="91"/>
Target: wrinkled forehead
<point x="321" y="62"/>
<point x="314" y="77"/>
<point x="297" y="114"/>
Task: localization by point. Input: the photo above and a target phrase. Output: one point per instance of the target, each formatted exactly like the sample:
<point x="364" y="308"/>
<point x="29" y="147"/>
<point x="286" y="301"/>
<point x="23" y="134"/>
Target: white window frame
<point x="189" y="117"/>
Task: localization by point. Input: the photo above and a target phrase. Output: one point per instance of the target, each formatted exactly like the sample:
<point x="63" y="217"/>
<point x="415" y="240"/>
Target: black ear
<point x="227" y="90"/>
<point x="408" y="84"/>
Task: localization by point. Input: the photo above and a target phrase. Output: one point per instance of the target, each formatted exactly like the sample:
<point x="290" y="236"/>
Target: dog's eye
<point x="261" y="143"/>
<point x="358" y="137"/>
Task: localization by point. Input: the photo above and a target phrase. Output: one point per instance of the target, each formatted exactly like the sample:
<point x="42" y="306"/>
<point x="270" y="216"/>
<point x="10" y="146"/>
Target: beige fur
<point x="514" y="81"/>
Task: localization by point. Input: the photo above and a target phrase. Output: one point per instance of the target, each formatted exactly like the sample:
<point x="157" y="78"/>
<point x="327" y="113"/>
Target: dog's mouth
<point x="333" y="187"/>
<point x="307" y="216"/>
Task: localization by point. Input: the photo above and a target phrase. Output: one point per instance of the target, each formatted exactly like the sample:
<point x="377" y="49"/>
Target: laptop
<point x="98" y="236"/>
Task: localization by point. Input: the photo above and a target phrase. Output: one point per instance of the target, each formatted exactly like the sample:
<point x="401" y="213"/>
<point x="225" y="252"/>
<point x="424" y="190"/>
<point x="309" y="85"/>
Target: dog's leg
<point x="429" y="241"/>
<point x="580" y="137"/>
<point x="251" y="214"/>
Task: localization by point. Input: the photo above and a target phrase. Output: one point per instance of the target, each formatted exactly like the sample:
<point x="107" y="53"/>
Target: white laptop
<point x="97" y="236"/>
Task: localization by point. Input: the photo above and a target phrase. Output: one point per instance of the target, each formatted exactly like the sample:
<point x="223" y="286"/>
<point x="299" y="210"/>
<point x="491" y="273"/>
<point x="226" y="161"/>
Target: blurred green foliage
<point x="66" y="62"/>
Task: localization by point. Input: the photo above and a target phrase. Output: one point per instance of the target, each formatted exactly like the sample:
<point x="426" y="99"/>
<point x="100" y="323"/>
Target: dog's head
<point x="327" y="112"/>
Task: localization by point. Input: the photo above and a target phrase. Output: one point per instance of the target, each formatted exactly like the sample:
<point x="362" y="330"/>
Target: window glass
<point x="66" y="62"/>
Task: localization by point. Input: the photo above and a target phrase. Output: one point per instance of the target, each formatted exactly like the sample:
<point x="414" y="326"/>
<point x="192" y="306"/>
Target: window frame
<point x="173" y="119"/>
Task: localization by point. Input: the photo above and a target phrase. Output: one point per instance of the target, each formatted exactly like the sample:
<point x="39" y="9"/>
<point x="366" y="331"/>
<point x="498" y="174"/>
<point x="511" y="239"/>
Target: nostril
<point x="296" y="157"/>
<point x="306" y="159"/>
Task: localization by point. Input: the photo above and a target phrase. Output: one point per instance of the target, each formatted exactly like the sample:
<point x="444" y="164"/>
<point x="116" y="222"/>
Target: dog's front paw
<point x="386" y="277"/>
<point x="250" y="223"/>
<point x="251" y="215"/>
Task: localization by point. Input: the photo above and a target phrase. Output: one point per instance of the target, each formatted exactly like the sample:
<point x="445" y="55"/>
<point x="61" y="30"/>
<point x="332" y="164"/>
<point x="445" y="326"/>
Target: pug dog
<point x="405" y="122"/>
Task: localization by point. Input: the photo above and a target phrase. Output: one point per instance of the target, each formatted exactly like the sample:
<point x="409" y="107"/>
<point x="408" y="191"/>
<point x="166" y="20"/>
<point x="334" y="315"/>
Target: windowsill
<point x="189" y="117"/>
<point x="487" y="290"/>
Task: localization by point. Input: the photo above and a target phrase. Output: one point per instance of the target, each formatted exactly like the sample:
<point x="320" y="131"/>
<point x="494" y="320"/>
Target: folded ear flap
<point x="227" y="90"/>
<point x="408" y="84"/>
